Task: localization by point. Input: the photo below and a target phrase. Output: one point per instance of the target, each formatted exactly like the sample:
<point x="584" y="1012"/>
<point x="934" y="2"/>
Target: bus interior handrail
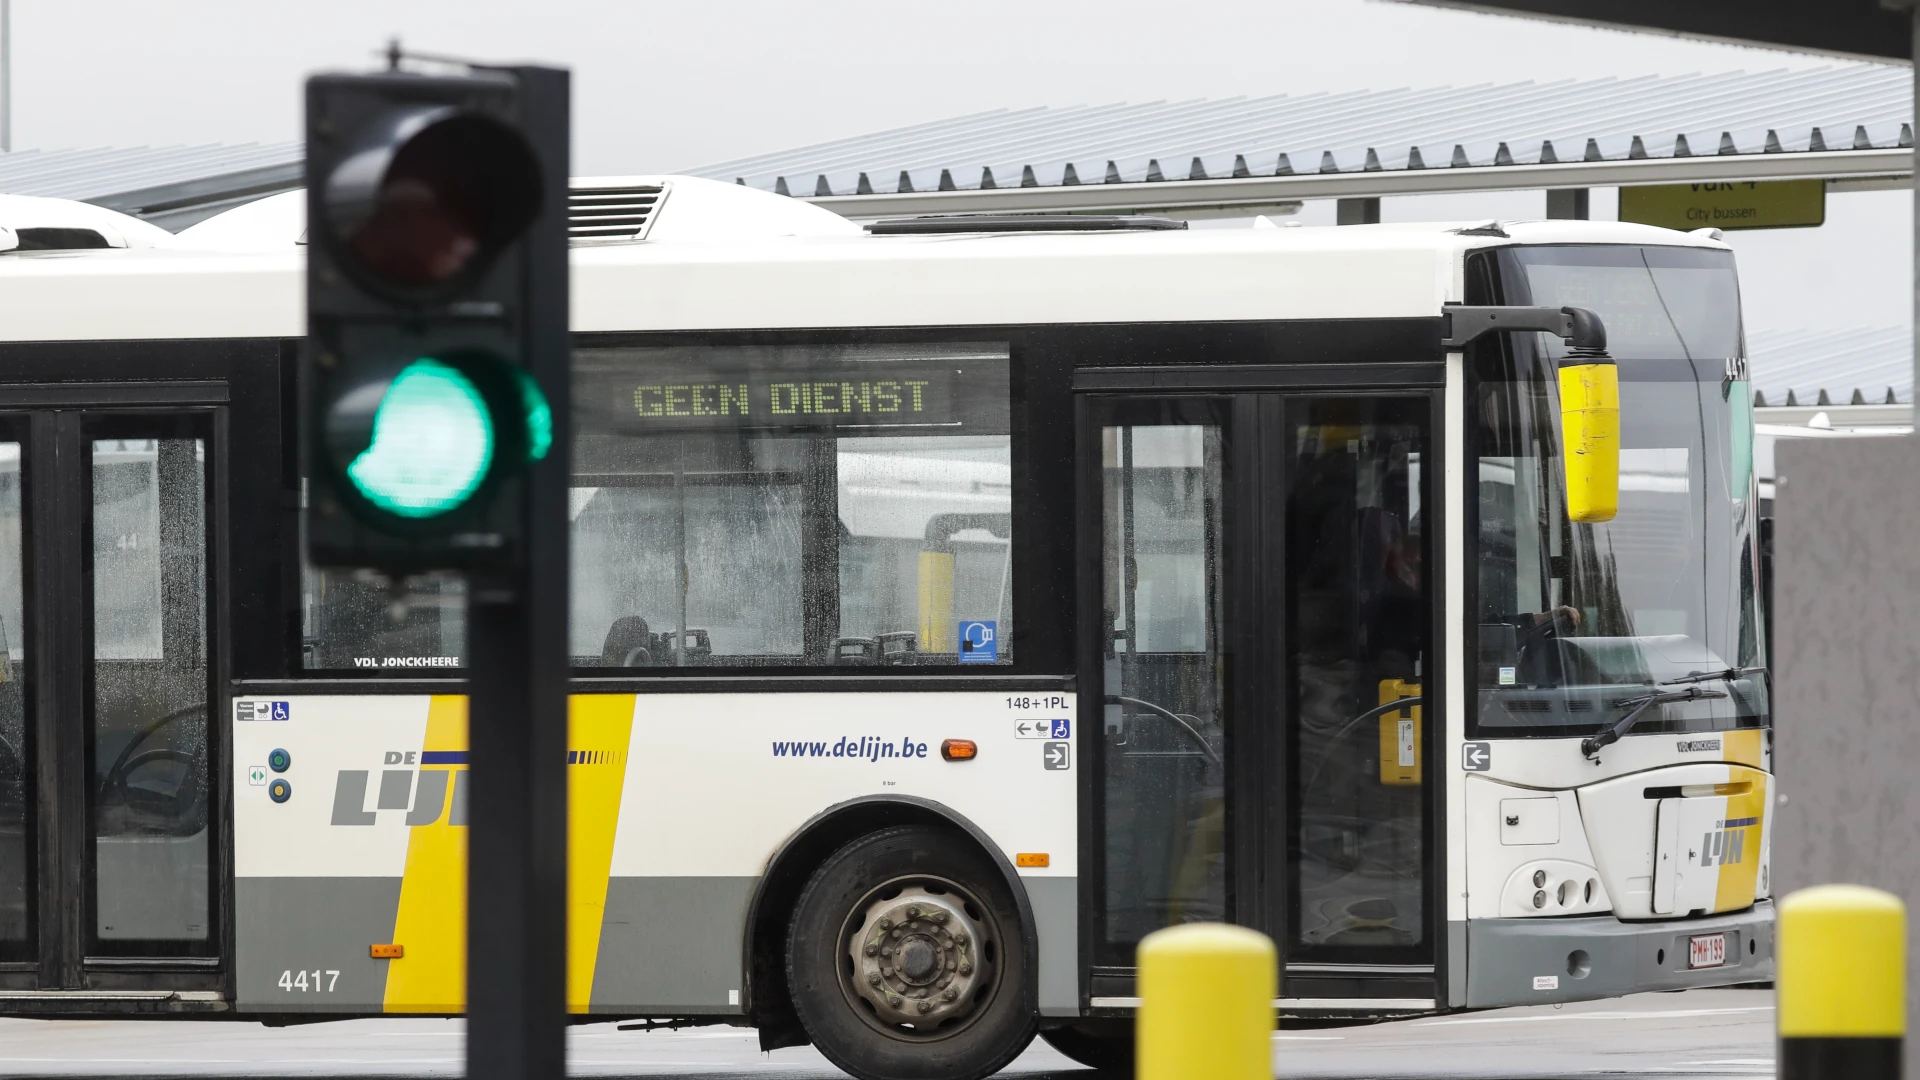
<point x="1198" y="739"/>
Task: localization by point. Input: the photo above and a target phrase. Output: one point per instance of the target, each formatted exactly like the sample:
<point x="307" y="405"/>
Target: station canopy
<point x="1850" y="124"/>
<point x="1841" y="121"/>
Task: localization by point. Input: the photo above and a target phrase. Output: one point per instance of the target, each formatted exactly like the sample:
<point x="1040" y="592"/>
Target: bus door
<point x="1257" y="626"/>
<point x="110" y="846"/>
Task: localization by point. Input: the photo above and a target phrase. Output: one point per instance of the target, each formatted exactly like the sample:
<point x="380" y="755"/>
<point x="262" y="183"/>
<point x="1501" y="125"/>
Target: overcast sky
<point x="661" y="86"/>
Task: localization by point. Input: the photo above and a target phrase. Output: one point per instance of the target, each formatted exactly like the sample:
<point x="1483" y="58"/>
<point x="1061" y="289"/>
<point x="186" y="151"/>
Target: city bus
<point x="954" y="603"/>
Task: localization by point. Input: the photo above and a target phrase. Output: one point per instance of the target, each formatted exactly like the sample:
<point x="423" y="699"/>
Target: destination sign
<point x="1760" y="204"/>
<point x="852" y="390"/>
<point x="912" y="400"/>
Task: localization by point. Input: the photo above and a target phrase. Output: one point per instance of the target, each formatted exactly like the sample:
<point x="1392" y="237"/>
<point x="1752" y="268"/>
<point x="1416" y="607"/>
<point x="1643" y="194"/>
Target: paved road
<point x="1706" y="1033"/>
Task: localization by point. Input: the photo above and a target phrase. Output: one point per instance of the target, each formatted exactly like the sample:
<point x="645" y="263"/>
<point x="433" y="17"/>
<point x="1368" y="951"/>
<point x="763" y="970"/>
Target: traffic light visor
<point x="429" y="195"/>
<point x="432" y="441"/>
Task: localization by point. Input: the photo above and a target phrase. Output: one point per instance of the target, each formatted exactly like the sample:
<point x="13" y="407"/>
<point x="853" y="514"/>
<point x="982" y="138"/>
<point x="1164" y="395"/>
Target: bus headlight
<point x="1553" y="887"/>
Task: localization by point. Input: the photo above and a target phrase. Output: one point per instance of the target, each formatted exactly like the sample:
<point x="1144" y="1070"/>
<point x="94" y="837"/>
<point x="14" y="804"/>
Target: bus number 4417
<point x="297" y="980"/>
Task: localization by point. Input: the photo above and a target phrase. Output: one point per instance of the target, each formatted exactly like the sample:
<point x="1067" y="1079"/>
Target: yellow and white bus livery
<point x="954" y="603"/>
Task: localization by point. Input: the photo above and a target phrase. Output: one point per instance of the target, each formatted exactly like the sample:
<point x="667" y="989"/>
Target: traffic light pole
<point x="517" y="860"/>
<point x="517" y="698"/>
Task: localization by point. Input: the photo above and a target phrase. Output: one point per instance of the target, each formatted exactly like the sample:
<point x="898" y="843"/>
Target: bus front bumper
<point x="1579" y="958"/>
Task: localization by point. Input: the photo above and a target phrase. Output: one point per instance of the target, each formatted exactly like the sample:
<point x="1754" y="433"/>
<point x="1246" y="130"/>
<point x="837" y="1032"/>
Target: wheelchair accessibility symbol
<point x="979" y="644"/>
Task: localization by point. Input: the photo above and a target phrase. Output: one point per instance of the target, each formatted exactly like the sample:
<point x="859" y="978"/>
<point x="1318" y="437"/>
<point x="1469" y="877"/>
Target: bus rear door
<point x="110" y="826"/>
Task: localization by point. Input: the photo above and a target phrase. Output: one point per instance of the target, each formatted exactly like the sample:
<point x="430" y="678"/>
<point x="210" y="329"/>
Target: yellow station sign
<point x="1742" y="204"/>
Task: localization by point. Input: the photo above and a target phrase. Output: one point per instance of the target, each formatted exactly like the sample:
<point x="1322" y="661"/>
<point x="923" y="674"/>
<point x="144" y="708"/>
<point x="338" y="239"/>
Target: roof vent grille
<point x="1017" y="223"/>
<point x="614" y="215"/>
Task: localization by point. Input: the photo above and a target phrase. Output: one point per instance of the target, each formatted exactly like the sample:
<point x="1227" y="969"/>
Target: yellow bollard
<point x="1206" y="1004"/>
<point x="1840" y="984"/>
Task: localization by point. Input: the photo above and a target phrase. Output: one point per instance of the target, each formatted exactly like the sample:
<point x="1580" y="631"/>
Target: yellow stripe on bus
<point x="1742" y="747"/>
<point x="1738" y="880"/>
<point x="600" y="726"/>
<point x="432" y="921"/>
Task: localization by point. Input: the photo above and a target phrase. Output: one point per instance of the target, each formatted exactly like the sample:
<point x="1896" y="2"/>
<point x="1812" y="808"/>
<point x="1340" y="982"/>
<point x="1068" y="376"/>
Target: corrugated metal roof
<point x="1856" y="106"/>
<point x="171" y="185"/>
<point x="1857" y="366"/>
<point x="90" y="174"/>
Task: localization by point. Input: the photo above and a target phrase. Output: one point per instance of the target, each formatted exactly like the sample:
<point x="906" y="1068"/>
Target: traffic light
<point x="437" y="258"/>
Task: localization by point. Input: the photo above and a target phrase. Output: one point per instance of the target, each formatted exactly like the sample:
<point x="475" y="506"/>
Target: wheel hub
<point x="916" y="958"/>
<point x="919" y="959"/>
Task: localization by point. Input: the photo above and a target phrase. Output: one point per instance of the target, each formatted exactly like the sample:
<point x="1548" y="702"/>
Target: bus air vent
<point x="1527" y="705"/>
<point x="1011" y="223"/>
<point x="32" y="239"/>
<point x="613" y="214"/>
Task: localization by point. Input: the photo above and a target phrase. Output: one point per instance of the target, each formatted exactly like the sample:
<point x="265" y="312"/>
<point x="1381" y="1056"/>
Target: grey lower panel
<point x="1505" y="956"/>
<point x="306" y="924"/>
<point x="1056" y="923"/>
<point x="671" y="945"/>
<point x="1456" y="964"/>
<point x="152" y="887"/>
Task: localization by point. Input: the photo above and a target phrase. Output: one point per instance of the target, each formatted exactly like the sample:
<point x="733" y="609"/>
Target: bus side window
<point x="361" y="622"/>
<point x="773" y="506"/>
<point x="792" y="506"/>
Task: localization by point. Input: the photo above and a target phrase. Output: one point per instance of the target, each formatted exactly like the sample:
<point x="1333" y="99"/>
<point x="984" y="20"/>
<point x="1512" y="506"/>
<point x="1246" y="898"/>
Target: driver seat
<point x="628" y="644"/>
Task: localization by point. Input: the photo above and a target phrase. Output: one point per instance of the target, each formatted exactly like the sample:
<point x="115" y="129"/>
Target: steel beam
<point x="1863" y="29"/>
<point x="1839" y="416"/>
<point x="1888" y="167"/>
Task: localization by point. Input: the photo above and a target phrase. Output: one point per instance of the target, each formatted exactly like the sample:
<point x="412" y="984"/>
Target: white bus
<point x="951" y="609"/>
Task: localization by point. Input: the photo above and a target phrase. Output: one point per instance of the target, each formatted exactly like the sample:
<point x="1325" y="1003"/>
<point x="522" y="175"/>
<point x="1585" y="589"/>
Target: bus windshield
<point x="1569" y="614"/>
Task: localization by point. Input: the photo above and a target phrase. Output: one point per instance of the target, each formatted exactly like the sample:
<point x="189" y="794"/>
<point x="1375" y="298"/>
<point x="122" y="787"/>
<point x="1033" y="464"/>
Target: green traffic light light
<point x="537" y="414"/>
<point x="433" y="441"/>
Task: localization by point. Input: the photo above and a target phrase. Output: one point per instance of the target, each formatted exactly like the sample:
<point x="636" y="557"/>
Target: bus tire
<point x="1106" y="1045"/>
<point x="906" y="962"/>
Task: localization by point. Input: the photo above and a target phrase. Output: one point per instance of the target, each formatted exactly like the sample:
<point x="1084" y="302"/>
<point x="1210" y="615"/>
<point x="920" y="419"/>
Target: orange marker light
<point x="1031" y="858"/>
<point x="959" y="750"/>
<point x="386" y="952"/>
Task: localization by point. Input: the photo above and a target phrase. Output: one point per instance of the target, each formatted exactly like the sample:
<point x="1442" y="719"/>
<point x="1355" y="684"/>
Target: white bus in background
<point x="953" y="605"/>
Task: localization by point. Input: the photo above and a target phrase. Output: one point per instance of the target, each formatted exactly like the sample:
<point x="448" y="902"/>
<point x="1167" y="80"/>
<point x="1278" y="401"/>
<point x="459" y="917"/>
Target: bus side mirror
<point x="1589" y="394"/>
<point x="1590" y="437"/>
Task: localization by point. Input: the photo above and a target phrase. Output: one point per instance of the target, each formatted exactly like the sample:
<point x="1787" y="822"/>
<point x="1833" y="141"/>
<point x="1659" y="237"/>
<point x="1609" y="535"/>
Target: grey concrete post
<point x="6" y="76"/>
<point x="1847" y="680"/>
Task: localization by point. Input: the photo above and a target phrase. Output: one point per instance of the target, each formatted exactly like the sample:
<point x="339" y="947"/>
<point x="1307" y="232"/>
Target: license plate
<point x="1707" y="950"/>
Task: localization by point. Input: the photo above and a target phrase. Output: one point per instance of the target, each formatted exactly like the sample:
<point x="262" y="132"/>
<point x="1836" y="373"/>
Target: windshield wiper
<point x="1592" y="744"/>
<point x="1729" y="674"/>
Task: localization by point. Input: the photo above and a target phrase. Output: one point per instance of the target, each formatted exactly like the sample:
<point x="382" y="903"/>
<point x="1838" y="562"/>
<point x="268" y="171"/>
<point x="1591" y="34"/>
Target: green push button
<point x="279" y="761"/>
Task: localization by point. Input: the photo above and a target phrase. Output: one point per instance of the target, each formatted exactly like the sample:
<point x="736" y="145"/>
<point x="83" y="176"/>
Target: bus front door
<point x="1258" y="626"/>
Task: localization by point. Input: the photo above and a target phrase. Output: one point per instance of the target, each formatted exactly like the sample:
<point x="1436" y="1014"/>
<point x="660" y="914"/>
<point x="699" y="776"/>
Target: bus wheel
<point x="905" y="959"/>
<point x="1106" y="1045"/>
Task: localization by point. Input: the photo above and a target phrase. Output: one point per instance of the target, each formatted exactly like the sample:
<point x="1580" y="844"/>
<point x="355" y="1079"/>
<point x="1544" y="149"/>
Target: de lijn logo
<point x="422" y="802"/>
<point x="1727" y="844"/>
<point x="979" y="643"/>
